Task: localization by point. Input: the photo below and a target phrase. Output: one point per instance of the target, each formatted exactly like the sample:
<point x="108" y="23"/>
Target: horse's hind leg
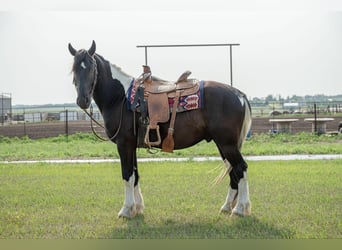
<point x="231" y="198"/>
<point x="237" y="200"/>
<point x="239" y="175"/>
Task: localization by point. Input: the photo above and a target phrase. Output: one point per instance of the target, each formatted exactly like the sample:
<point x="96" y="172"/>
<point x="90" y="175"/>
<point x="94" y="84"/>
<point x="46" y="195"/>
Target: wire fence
<point x="50" y="122"/>
<point x="266" y="109"/>
<point x="37" y="115"/>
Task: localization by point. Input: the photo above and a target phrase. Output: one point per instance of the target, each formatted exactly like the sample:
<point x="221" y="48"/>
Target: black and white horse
<point x="225" y="119"/>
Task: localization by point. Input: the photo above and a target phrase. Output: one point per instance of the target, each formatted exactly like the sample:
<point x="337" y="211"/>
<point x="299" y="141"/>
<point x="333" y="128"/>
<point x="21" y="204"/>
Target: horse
<point x="225" y="119"/>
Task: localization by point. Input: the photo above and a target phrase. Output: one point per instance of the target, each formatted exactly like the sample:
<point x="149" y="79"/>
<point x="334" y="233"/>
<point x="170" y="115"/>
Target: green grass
<point x="290" y="199"/>
<point x="87" y="146"/>
<point x="301" y="143"/>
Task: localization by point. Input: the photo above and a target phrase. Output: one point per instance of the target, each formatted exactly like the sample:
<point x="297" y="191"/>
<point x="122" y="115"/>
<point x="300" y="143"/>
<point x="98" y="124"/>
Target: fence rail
<point x="38" y="123"/>
<point x="307" y="108"/>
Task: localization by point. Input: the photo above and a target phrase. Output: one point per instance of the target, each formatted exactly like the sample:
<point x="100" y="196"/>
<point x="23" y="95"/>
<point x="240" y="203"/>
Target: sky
<point x="286" y="47"/>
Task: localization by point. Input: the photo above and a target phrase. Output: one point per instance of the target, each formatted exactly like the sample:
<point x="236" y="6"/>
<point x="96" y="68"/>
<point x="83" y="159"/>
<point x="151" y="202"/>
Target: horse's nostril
<point x="83" y="102"/>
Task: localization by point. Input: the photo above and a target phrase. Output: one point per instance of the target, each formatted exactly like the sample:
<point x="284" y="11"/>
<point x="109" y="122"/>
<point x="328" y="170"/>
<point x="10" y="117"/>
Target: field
<point x="85" y="146"/>
<point x="290" y="199"/>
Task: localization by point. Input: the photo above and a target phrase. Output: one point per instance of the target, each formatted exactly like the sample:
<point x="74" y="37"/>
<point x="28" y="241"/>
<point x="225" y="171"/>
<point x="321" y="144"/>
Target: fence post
<point x="2" y="109"/>
<point x="66" y="124"/>
<point x="315" y="113"/>
<point x="24" y="124"/>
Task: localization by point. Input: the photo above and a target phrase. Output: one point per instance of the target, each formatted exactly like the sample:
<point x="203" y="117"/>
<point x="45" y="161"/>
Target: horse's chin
<point x="84" y="107"/>
<point x="83" y="104"/>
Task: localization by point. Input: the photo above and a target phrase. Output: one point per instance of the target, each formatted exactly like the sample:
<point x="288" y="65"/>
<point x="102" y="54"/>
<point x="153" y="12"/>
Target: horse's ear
<point x="72" y="50"/>
<point x="92" y="49"/>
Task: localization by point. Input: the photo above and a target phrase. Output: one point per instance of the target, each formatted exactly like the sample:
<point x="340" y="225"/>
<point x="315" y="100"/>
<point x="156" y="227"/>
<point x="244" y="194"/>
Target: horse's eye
<point x="83" y="66"/>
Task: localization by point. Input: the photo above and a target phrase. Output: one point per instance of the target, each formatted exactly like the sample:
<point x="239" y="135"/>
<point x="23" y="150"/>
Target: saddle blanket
<point x="186" y="103"/>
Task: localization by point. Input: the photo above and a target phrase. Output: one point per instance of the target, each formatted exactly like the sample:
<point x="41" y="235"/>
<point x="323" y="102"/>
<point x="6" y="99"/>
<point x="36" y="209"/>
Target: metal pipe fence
<point x="47" y="122"/>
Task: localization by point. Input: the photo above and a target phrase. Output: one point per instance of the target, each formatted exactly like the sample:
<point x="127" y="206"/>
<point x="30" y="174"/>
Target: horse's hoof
<point x="225" y="209"/>
<point x="127" y="212"/>
<point x="242" y="209"/>
<point x="139" y="208"/>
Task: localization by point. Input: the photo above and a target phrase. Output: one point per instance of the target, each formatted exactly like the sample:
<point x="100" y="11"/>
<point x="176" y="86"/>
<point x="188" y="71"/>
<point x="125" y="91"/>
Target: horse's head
<point x="85" y="74"/>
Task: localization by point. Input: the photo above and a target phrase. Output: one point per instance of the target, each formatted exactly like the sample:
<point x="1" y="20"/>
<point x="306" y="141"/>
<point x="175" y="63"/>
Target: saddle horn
<point x="92" y="49"/>
<point x="72" y="50"/>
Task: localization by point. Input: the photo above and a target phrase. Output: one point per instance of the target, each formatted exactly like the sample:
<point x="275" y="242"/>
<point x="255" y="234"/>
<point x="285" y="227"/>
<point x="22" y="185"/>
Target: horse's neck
<point x="112" y="84"/>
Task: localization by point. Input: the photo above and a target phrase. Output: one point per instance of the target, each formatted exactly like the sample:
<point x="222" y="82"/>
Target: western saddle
<point x="156" y="93"/>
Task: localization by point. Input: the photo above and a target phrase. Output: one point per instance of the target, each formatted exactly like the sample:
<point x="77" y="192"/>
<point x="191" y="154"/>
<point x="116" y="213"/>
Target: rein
<point x="90" y="113"/>
<point x="92" y="119"/>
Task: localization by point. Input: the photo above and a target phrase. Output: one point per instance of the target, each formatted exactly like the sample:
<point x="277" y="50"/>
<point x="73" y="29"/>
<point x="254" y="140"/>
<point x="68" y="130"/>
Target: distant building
<point x="291" y="106"/>
<point x="5" y="107"/>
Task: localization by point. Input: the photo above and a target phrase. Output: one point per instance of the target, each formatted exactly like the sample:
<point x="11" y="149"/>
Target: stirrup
<point x="147" y="137"/>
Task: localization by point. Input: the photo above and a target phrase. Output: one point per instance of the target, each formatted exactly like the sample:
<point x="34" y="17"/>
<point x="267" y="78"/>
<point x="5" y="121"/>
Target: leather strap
<point x="174" y="112"/>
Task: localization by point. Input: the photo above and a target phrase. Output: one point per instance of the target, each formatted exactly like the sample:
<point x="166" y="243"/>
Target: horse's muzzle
<point x="83" y="102"/>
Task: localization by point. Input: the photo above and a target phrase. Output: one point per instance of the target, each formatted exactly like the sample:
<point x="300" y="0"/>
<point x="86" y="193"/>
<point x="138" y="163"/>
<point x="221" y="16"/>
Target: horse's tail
<point x="247" y="122"/>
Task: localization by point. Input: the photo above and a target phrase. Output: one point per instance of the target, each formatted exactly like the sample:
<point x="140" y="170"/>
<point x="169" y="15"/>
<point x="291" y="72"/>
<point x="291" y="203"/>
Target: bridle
<point x="90" y="113"/>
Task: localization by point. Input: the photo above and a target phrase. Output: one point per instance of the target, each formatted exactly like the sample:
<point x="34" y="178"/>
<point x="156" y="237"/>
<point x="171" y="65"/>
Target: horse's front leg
<point x="139" y="200"/>
<point x="129" y="209"/>
<point x="133" y="202"/>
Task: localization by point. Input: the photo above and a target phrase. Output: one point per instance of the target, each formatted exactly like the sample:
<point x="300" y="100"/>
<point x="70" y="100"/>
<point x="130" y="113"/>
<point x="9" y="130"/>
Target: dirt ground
<point x="55" y="128"/>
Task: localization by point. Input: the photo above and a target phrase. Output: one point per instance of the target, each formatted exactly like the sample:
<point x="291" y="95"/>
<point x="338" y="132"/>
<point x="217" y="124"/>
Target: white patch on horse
<point x="230" y="201"/>
<point x="83" y="65"/>
<point x="241" y="100"/>
<point x="139" y="201"/>
<point x="243" y="206"/>
<point x="121" y="76"/>
<point x="129" y="210"/>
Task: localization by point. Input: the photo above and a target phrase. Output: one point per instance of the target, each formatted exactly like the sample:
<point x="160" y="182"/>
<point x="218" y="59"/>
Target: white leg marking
<point x="232" y="193"/>
<point x="243" y="206"/>
<point x="230" y="201"/>
<point x="128" y="210"/>
<point x="139" y="200"/>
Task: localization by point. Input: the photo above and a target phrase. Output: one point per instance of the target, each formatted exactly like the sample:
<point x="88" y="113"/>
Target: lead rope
<point x="92" y="119"/>
<point x="90" y="115"/>
<point x="120" y="122"/>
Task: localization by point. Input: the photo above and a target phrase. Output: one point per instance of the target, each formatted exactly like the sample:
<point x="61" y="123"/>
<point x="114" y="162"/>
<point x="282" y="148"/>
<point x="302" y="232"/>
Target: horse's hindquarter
<point x="223" y="101"/>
